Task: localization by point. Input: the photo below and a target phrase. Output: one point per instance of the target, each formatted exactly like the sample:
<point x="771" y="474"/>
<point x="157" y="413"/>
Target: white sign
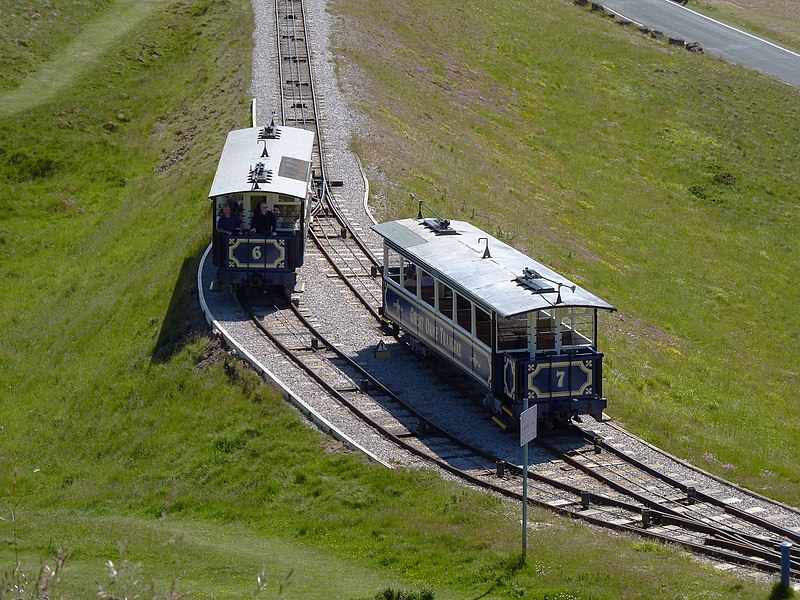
<point x="527" y="425"/>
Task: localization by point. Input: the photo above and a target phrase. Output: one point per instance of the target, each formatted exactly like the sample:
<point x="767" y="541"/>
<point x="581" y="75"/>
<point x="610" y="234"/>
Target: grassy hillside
<point x="31" y="32"/>
<point x="663" y="181"/>
<point x="126" y="435"/>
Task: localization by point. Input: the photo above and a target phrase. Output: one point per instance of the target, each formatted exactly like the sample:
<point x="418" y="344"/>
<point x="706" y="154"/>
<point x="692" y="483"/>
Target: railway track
<point x="355" y="264"/>
<point x="582" y="474"/>
<point x="354" y="261"/>
<point x="577" y="474"/>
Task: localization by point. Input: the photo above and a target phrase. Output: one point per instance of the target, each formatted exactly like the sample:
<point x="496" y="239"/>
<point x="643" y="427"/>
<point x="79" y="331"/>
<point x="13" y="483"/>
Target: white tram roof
<point x="457" y="258"/>
<point x="286" y="168"/>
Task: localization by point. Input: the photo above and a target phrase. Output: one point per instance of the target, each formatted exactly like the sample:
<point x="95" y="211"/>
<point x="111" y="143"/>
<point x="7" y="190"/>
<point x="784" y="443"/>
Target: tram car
<point x="269" y="165"/>
<point x="515" y="326"/>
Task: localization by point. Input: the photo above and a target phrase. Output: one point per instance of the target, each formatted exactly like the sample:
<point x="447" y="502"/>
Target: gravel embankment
<point x="348" y="325"/>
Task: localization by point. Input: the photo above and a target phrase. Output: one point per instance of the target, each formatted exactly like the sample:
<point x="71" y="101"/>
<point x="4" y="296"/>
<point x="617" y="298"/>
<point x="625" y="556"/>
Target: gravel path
<point x="345" y="322"/>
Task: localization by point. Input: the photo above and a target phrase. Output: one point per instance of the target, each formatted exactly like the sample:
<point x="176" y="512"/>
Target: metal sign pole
<point x="527" y="432"/>
<point x="524" y="501"/>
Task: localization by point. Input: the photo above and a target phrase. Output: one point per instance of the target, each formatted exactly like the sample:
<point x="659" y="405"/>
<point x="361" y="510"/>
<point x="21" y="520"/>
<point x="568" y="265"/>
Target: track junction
<point x="321" y="349"/>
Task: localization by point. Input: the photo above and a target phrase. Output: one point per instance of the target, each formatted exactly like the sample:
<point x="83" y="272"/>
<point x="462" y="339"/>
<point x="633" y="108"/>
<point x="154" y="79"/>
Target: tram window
<point x="483" y="326"/>
<point x="577" y="326"/>
<point x="545" y="331"/>
<point x="410" y="276"/>
<point x="464" y="312"/>
<point x="426" y="287"/>
<point x="444" y="298"/>
<point x="235" y="200"/>
<point x="287" y="216"/>
<point x="393" y="266"/>
<point x="512" y="334"/>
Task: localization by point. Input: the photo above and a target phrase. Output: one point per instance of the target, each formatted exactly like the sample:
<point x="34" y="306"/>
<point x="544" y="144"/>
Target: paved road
<point x="735" y="45"/>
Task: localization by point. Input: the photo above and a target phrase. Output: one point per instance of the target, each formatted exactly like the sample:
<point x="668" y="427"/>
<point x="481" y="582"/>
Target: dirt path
<point x="78" y="57"/>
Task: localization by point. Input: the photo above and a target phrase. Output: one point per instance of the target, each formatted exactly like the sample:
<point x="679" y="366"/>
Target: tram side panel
<point x="272" y="260"/>
<point x="440" y="335"/>
<point x="560" y="384"/>
<point x="526" y="338"/>
<point x="566" y="384"/>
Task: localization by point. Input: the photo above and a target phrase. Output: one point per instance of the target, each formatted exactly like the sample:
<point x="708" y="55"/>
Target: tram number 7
<point x="256" y="252"/>
<point x="560" y="378"/>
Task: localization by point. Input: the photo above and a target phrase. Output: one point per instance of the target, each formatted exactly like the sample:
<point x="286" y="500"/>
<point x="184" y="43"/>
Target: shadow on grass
<point x="781" y="592"/>
<point x="508" y="568"/>
<point x="184" y="319"/>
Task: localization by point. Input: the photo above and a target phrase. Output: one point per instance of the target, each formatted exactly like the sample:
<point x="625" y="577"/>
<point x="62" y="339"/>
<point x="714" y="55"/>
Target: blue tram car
<point x="518" y="328"/>
<point x="269" y="165"/>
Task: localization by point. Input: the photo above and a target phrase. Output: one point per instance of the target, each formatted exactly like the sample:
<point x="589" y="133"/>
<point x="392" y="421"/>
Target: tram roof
<point x="457" y="256"/>
<point x="288" y="163"/>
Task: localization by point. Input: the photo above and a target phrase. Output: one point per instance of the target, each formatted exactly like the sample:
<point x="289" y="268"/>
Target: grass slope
<point x="127" y="436"/>
<point x="31" y="32"/>
<point x="82" y="51"/>
<point x="665" y="182"/>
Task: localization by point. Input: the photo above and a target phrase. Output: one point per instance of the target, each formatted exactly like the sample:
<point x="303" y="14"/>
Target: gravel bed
<point x="237" y="324"/>
<point x="347" y="324"/>
<point x="732" y="494"/>
<point x="353" y="330"/>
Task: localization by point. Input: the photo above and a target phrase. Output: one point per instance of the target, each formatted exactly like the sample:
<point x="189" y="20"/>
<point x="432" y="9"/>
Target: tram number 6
<point x="256" y="252"/>
<point x="560" y="378"/>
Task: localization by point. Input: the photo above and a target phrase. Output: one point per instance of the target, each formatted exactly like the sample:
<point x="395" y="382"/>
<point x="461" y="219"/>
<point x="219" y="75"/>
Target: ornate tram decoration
<point x="521" y="330"/>
<point x="268" y="166"/>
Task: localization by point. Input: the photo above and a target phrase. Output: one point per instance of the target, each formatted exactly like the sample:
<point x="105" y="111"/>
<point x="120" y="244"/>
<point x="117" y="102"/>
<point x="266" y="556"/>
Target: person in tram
<point x="263" y="220"/>
<point x="229" y="222"/>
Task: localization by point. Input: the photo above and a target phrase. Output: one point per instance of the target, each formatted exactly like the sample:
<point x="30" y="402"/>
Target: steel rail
<point x="726" y="549"/>
<point x="702" y="496"/>
<point x="347" y="280"/>
<point x="661" y="512"/>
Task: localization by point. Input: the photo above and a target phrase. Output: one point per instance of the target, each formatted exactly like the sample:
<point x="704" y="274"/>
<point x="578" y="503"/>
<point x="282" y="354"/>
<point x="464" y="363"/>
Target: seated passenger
<point x="229" y="223"/>
<point x="263" y="220"/>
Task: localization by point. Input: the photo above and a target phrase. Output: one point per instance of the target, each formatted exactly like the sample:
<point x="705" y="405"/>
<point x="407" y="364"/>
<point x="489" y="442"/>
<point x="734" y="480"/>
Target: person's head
<point x="263" y="206"/>
<point x="226" y="210"/>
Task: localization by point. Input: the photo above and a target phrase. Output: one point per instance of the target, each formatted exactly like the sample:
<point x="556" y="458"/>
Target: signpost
<point x="527" y="432"/>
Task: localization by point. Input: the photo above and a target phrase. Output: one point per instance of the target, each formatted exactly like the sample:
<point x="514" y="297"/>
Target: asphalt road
<point x="717" y="38"/>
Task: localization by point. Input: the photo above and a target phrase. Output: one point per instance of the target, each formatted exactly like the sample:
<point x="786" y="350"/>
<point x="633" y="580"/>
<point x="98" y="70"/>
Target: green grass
<point x="665" y="182"/>
<point x="82" y="51"/>
<point x="31" y="32"/>
<point x="124" y="425"/>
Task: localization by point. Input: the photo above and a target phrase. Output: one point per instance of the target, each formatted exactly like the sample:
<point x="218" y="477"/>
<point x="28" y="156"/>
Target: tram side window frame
<point x="576" y="324"/>
<point x="410" y="279"/>
<point x="393" y="265"/>
<point x="288" y="211"/>
<point x="444" y="296"/>
<point x="546" y="331"/>
<point x="463" y="313"/>
<point x="483" y="325"/>
<point x="426" y="287"/>
<point x="513" y="333"/>
<point x="570" y="324"/>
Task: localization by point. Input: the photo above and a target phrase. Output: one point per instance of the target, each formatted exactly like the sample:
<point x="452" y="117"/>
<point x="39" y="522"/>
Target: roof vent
<point x="270" y="132"/>
<point x="259" y="174"/>
<point x="539" y="284"/>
